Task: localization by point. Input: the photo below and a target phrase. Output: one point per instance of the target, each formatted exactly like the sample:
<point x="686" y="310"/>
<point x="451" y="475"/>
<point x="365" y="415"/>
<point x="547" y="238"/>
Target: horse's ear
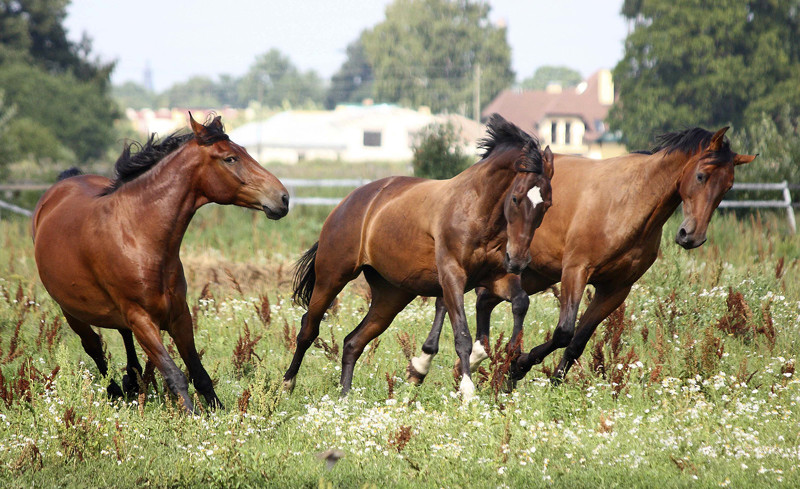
<point x="717" y="139"/>
<point x="743" y="159"/>
<point x="198" y="129"/>
<point x="217" y="123"/>
<point x="547" y="162"/>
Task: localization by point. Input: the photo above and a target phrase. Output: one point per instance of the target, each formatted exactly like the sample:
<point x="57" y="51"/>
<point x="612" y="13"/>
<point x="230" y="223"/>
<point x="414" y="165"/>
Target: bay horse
<point x="604" y="229"/>
<point x="108" y="251"/>
<point x="412" y="236"/>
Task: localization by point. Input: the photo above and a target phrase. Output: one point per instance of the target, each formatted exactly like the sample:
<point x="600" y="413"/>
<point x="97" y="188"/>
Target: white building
<point x="351" y="133"/>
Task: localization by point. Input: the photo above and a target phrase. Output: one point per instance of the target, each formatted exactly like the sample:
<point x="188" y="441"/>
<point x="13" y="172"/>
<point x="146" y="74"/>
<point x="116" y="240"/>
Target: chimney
<point x="605" y="87"/>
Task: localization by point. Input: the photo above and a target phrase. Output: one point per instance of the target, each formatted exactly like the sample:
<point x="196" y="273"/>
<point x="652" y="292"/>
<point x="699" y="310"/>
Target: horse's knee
<point x="562" y="337"/>
<point x="520" y="303"/>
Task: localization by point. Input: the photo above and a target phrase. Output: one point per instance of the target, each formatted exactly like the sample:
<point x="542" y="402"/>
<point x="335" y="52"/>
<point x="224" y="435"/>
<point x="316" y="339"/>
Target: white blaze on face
<point x="535" y="195"/>
<point x="477" y="356"/>
<point x="422" y="363"/>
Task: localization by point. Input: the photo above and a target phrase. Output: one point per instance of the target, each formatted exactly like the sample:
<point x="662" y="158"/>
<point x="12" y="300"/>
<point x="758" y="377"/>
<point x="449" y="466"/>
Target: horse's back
<point x="384" y="224"/>
<point x="68" y="200"/>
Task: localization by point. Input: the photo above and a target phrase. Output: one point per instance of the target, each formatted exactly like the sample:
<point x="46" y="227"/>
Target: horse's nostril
<point x="682" y="233"/>
<point x="285" y="199"/>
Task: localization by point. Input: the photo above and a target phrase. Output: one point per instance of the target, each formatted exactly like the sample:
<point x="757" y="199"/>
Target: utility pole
<point x="477" y="94"/>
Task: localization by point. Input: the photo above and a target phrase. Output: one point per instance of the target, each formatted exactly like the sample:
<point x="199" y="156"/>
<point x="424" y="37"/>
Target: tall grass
<point x="693" y="383"/>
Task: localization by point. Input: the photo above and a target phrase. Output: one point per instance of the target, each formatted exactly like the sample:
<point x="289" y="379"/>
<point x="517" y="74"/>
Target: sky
<point x="178" y="40"/>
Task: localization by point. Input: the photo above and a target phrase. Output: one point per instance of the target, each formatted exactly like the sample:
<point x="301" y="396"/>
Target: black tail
<point x="304" y="277"/>
<point x="70" y="172"/>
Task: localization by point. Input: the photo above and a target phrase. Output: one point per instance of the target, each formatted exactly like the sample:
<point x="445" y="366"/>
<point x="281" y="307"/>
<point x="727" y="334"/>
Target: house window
<point x="372" y="138"/>
<point x="553" y="129"/>
<point x="567" y="127"/>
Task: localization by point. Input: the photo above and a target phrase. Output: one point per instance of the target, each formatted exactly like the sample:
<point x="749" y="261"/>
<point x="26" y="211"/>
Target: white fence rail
<point x="293" y="183"/>
<point x="785" y="202"/>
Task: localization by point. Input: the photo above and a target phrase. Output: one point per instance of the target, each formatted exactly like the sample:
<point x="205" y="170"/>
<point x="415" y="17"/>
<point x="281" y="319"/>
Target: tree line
<point x="686" y="63"/>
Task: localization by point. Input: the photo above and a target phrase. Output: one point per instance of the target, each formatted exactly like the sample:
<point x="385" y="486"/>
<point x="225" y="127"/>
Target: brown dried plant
<point x="264" y="312"/>
<point x="244" y="351"/>
<point x="331" y="349"/>
<point x="400" y="438"/>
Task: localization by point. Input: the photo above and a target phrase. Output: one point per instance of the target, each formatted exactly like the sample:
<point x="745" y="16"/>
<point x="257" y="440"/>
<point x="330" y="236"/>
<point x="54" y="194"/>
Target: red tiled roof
<point x="527" y="108"/>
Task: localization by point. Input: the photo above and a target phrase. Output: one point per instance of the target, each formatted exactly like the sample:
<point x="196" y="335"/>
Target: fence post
<point x="787" y="197"/>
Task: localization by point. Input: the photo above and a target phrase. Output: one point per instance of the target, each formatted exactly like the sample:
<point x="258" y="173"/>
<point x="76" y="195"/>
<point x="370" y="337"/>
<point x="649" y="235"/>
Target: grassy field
<point x="692" y="384"/>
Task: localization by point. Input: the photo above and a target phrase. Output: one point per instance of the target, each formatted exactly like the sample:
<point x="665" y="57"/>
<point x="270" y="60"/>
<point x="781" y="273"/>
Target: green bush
<point x="777" y="142"/>
<point x="438" y="153"/>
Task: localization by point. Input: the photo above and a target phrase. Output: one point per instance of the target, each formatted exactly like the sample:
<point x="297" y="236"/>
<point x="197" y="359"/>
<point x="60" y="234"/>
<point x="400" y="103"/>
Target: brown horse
<point x="108" y="251"/>
<point x="604" y="229"/>
<point x="413" y="237"/>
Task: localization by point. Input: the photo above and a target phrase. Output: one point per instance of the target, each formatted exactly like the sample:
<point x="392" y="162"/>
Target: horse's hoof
<point x="130" y="386"/>
<point x="557" y="379"/>
<point x="288" y="384"/>
<point x="467" y="389"/>
<point x="412" y="376"/>
<point x="114" y="391"/>
<point x="214" y="404"/>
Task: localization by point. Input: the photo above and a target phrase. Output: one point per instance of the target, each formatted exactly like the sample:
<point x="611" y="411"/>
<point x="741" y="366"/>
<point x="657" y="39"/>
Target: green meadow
<point x="691" y="384"/>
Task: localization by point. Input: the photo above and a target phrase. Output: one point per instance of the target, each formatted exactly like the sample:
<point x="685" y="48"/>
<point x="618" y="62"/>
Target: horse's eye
<point x="230" y="160"/>
<point x="701" y="178"/>
<point x="514" y="199"/>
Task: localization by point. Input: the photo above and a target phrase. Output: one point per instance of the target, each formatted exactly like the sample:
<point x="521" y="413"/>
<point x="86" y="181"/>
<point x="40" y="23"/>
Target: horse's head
<point x="706" y="177"/>
<point x="528" y="199"/>
<point x="229" y="175"/>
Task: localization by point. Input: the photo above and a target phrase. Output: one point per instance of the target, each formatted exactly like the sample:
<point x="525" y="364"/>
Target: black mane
<point x="504" y="133"/>
<point x="132" y="164"/>
<point x="689" y="141"/>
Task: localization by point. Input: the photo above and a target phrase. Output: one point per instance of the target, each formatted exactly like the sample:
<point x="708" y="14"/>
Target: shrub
<point x="438" y="153"/>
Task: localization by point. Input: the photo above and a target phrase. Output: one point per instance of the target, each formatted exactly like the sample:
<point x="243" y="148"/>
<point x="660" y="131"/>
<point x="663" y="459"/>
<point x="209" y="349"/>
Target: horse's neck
<point x="660" y="197"/>
<point x="164" y="199"/>
<point x="489" y="181"/>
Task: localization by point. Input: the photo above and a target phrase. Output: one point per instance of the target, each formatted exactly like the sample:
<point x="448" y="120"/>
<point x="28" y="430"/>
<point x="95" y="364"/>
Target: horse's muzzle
<point x="688" y="240"/>
<point x="515" y="266"/>
<point x="278" y="211"/>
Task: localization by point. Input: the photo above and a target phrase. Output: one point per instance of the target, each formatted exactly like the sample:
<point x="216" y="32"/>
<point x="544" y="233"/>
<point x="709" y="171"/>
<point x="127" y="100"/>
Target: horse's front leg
<point x="418" y="366"/>
<point x="453" y="279"/>
<point x="148" y="334"/>
<point x="133" y="370"/>
<point x="181" y="330"/>
<point x="573" y="283"/>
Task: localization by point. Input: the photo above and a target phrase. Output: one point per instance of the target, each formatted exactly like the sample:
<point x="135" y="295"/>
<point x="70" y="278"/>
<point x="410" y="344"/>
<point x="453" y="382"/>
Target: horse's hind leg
<point x="93" y="345"/>
<point x="605" y="301"/>
<point x="325" y="291"/>
<point x="387" y="301"/>
<point x="418" y="367"/>
<point x="133" y="370"/>
<point x="182" y="332"/>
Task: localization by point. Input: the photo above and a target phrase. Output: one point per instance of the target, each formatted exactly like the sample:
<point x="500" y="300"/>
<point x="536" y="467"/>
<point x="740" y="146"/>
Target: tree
<point x="777" y="142"/>
<point x="133" y="95"/>
<point x="710" y="64"/>
<point x="437" y="152"/>
<point x="77" y="114"/>
<point x="275" y="82"/>
<point x="7" y="149"/>
<point x="545" y="75"/>
<point x="33" y="31"/>
<point x="61" y="96"/>
<point x="427" y="52"/>
<point x="354" y="81"/>
<point x="196" y="92"/>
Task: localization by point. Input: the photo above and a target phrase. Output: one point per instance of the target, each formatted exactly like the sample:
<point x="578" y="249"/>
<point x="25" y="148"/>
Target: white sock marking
<point x="535" y="195"/>
<point x="467" y="388"/>
<point x="422" y="363"/>
<point x="478" y="355"/>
